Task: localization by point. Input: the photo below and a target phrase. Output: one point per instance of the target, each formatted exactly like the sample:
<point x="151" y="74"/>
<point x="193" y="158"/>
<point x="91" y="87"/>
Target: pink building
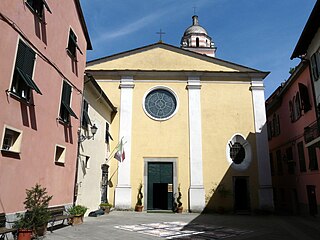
<point x="43" y="51"/>
<point x="293" y="160"/>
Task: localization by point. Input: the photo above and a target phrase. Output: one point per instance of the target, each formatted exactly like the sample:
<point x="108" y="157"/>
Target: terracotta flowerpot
<point x="41" y="231"/>
<point x="77" y="220"/>
<point x="24" y="234"/>
<point x="106" y="210"/>
<point x="138" y="208"/>
<point x="179" y="209"/>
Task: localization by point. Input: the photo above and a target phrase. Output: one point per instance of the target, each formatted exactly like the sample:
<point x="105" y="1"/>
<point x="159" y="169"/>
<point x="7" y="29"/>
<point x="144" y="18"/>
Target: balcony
<point x="312" y="133"/>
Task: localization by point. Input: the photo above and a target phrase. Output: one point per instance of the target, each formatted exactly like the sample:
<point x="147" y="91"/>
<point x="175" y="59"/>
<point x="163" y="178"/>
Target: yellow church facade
<point x="190" y="120"/>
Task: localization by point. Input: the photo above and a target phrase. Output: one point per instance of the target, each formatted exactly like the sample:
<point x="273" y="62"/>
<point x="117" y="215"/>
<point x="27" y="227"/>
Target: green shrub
<point x="77" y="210"/>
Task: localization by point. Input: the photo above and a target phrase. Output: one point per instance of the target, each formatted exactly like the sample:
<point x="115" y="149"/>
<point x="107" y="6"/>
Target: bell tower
<point x="196" y="38"/>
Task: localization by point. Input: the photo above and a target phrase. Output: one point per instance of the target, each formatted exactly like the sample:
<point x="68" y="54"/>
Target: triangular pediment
<point x="164" y="57"/>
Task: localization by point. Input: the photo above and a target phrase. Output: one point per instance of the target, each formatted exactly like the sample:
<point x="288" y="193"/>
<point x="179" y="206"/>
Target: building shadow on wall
<point x="237" y="194"/>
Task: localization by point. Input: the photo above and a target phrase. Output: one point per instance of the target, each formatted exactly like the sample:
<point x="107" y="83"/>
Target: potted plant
<point x="139" y="205"/>
<point x="24" y="225"/>
<point x="106" y="207"/>
<point x="77" y="212"/>
<point x="178" y="204"/>
<point x="37" y="215"/>
<point x="179" y="207"/>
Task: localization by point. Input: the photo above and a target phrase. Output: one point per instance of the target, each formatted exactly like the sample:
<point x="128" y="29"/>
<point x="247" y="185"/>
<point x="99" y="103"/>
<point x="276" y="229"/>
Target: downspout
<point x="75" y="187"/>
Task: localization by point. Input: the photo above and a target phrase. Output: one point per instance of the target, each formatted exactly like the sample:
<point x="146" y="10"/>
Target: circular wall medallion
<point x="160" y="103"/>
<point x="238" y="152"/>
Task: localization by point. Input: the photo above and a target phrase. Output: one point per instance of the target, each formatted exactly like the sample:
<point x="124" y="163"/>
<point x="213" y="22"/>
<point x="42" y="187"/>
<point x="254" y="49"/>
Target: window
<point x="73" y="45"/>
<point x="37" y="6"/>
<point x="270" y="129"/>
<point x="11" y="140"/>
<point x="275" y="129"/>
<point x="302" y="161"/>
<point x="295" y="108"/>
<point x="315" y="65"/>
<point x="305" y="100"/>
<point x="65" y="109"/>
<point x="291" y="111"/>
<point x="87" y="163"/>
<point x="22" y="77"/>
<point x="197" y="42"/>
<point x="108" y="135"/>
<point x="279" y="162"/>
<point x="271" y="163"/>
<point x="160" y="104"/>
<point x="313" y="162"/>
<point x="238" y="152"/>
<point x="290" y="160"/>
<point x="60" y="155"/>
<point x="85" y="116"/>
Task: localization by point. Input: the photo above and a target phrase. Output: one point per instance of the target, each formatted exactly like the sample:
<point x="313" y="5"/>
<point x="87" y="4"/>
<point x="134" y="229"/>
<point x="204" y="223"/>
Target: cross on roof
<point x="160" y="33"/>
<point x="194" y="10"/>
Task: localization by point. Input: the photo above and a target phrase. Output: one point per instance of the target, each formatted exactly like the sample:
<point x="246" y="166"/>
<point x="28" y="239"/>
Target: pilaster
<point x="123" y="189"/>
<point x="196" y="191"/>
<point x="265" y="182"/>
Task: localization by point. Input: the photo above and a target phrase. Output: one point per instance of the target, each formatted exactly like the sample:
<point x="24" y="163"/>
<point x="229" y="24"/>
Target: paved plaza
<point x="136" y="226"/>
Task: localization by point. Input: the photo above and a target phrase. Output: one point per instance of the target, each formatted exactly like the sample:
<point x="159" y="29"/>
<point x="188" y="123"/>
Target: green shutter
<point x="65" y="99"/>
<point x="314" y="66"/>
<point x="25" y="64"/>
<point x="46" y="5"/>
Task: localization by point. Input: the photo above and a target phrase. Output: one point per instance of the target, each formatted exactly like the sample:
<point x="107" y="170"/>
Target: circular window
<point x="160" y="103"/>
<point x="238" y="152"/>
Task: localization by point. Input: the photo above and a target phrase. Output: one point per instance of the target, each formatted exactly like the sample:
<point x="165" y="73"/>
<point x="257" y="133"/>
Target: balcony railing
<point x="312" y="131"/>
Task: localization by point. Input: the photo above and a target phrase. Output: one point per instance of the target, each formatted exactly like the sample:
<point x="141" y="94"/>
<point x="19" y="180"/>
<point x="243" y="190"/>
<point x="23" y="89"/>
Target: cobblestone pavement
<point x="132" y="225"/>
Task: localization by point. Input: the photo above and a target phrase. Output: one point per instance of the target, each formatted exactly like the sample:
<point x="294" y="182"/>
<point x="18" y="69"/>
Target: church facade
<point x="187" y="120"/>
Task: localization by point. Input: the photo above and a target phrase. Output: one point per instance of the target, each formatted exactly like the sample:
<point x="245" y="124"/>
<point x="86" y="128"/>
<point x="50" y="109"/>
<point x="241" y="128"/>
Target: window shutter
<point x="108" y="135"/>
<point x="72" y="44"/>
<point x="278" y="122"/>
<point x="304" y="97"/>
<point x="317" y="55"/>
<point x="85" y="116"/>
<point x="25" y="64"/>
<point x="46" y="5"/>
<point x="291" y="110"/>
<point x="66" y="93"/>
<point x="25" y="59"/>
<point x="314" y="67"/>
<point x="29" y="62"/>
<point x="65" y="100"/>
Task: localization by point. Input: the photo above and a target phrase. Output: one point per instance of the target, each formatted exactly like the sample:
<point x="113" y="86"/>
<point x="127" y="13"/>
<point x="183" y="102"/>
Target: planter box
<point x="77" y="220"/>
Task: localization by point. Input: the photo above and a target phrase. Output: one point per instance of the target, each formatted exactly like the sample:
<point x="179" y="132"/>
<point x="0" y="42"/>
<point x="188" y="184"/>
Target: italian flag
<point x="120" y="155"/>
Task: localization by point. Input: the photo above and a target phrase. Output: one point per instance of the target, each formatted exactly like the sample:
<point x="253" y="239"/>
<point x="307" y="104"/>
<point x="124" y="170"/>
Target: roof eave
<point x="92" y="80"/>
<point x="83" y="24"/>
<point x="308" y="32"/>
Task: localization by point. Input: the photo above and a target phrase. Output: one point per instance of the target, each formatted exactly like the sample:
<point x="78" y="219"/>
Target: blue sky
<point x="260" y="34"/>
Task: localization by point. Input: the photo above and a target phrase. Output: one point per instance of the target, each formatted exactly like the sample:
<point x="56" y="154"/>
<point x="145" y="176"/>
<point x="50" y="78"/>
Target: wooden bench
<point x="3" y="229"/>
<point x="58" y="213"/>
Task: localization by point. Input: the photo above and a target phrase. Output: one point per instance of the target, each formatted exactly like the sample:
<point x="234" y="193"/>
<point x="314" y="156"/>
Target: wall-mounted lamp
<point x="93" y="132"/>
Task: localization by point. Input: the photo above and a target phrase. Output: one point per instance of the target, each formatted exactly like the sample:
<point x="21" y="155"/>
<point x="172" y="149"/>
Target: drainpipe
<point x="75" y="187"/>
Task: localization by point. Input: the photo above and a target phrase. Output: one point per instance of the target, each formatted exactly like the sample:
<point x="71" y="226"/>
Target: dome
<point x="195" y="28"/>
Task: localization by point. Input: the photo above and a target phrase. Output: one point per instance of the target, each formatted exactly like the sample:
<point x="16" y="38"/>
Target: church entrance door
<point x="241" y="194"/>
<point x="160" y="186"/>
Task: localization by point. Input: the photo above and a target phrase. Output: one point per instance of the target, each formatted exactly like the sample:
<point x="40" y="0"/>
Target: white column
<point x="265" y="182"/>
<point x="196" y="191"/>
<point x="123" y="189"/>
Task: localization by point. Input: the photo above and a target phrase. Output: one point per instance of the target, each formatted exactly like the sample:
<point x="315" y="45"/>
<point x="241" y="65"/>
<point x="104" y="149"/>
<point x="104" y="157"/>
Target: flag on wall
<point x="120" y="155"/>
